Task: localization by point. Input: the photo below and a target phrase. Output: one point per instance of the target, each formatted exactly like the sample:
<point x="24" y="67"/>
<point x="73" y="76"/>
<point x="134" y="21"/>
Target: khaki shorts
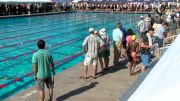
<point x="89" y="60"/>
<point x="48" y="81"/>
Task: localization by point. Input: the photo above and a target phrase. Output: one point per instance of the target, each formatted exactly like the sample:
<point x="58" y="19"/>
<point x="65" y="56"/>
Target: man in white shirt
<point x="117" y="42"/>
<point x="91" y="45"/>
<point x="141" y="27"/>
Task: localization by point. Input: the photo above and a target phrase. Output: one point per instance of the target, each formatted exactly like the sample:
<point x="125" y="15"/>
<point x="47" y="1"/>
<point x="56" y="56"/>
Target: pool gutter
<point x="37" y="14"/>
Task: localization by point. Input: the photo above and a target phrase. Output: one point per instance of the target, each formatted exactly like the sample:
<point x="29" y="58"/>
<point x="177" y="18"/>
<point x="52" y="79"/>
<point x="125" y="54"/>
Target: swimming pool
<point x="63" y="33"/>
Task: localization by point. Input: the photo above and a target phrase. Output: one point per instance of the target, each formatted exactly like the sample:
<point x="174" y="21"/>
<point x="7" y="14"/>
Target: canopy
<point x="162" y="83"/>
<point x="126" y="0"/>
<point x="35" y="0"/>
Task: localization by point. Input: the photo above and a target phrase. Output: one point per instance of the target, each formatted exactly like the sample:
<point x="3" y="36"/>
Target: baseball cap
<point x="103" y="31"/>
<point x="91" y="29"/>
<point x="141" y="17"/>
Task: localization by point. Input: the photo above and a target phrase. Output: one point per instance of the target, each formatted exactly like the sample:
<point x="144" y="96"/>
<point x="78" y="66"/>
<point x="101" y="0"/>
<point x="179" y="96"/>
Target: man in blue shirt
<point x="160" y="35"/>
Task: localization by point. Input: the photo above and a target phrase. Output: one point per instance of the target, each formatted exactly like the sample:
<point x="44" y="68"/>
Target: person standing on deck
<point x="42" y="61"/>
<point x="146" y="46"/>
<point x="105" y="51"/>
<point x="91" y="46"/>
<point x="141" y="27"/>
<point x="117" y="42"/>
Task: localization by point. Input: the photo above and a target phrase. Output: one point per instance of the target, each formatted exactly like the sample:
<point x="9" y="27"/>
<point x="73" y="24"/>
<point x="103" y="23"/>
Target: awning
<point x="35" y="1"/>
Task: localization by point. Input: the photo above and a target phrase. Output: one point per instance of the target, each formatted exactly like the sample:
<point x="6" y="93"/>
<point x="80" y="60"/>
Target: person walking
<point x="117" y="42"/>
<point x="91" y="45"/>
<point x="42" y="61"/>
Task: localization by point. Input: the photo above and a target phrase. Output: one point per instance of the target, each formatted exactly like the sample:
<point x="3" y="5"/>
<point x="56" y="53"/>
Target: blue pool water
<point x="18" y="37"/>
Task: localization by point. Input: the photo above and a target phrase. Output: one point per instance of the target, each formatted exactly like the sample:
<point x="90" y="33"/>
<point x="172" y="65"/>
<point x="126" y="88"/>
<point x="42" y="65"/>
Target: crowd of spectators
<point x="126" y="7"/>
<point x="27" y="8"/>
<point x="31" y="8"/>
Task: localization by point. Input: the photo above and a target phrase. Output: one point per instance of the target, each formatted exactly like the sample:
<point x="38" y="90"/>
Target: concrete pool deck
<point x="109" y="85"/>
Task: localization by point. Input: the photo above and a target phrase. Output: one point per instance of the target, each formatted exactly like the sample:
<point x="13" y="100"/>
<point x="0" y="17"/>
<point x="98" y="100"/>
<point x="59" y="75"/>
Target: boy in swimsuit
<point x="132" y="49"/>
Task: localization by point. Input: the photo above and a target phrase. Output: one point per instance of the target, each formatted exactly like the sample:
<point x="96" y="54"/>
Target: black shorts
<point x="48" y="81"/>
<point x="130" y="57"/>
<point x="159" y="42"/>
<point x="104" y="54"/>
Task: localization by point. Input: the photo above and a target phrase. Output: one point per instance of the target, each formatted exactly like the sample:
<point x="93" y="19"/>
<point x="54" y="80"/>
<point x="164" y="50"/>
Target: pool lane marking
<point x="33" y="51"/>
<point x="37" y="31"/>
<point x="17" y="44"/>
<point x="66" y="59"/>
<point x="20" y="35"/>
<point x="76" y="20"/>
<point x="43" y="31"/>
<point x="31" y="73"/>
<point x="15" y="57"/>
<point x="24" y="54"/>
<point x="37" y="24"/>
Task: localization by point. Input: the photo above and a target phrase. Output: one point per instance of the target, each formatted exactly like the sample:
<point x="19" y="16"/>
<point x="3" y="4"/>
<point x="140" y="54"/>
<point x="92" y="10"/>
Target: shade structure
<point x="35" y="0"/>
<point x="127" y="0"/>
<point x="162" y="83"/>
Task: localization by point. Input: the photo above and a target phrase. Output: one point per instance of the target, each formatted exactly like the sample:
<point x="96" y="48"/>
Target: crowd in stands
<point x="27" y="8"/>
<point x="30" y="8"/>
<point x="125" y="7"/>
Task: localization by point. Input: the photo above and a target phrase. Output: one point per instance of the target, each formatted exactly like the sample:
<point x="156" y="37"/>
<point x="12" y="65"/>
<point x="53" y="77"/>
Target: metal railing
<point x="167" y="43"/>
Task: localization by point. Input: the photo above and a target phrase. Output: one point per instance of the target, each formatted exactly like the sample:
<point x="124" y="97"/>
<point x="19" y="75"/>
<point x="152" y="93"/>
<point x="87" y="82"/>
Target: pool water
<point x="63" y="33"/>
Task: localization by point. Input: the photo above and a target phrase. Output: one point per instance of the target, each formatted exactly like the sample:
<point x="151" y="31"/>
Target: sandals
<point x="83" y="77"/>
<point x="105" y="69"/>
<point x="94" y="77"/>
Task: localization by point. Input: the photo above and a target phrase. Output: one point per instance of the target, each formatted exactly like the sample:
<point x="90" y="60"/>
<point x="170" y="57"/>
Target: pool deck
<point x="109" y="85"/>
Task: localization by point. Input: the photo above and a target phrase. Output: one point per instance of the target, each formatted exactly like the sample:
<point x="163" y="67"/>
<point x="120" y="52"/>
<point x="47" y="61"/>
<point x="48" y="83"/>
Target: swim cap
<point x="134" y="37"/>
<point x="129" y="38"/>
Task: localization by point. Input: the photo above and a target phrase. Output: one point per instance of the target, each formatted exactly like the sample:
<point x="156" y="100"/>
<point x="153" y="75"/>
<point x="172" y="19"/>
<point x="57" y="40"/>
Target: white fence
<point x="166" y="43"/>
